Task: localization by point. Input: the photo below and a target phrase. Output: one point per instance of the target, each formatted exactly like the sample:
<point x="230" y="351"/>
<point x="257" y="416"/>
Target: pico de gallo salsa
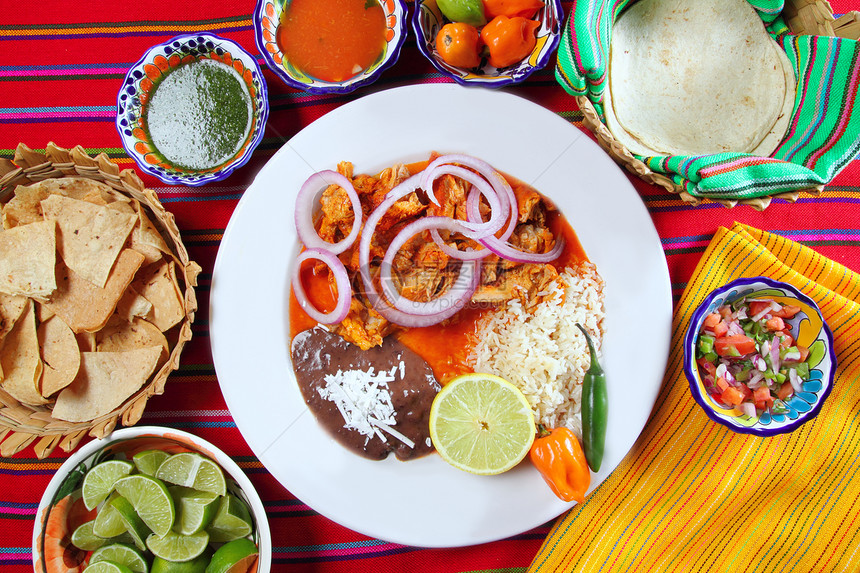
<point x="748" y="357"/>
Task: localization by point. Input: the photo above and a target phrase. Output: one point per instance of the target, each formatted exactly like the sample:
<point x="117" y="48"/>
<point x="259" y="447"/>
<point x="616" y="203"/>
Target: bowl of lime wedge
<point x="151" y="499"/>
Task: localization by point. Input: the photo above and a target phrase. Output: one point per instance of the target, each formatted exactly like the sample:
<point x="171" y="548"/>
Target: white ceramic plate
<point x="426" y="502"/>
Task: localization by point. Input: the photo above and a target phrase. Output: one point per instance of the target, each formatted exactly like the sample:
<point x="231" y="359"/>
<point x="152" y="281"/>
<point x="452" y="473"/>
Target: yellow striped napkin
<point x="694" y="496"/>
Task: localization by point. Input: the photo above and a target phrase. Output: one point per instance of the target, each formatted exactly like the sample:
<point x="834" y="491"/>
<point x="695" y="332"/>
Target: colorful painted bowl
<point x="810" y="330"/>
<point x="428" y="20"/>
<point x="267" y="18"/>
<point x="146" y="75"/>
<point x="61" y="509"/>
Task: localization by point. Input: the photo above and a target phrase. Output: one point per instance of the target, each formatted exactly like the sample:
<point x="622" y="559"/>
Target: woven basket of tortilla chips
<point x="96" y="298"/>
<point x="810" y="17"/>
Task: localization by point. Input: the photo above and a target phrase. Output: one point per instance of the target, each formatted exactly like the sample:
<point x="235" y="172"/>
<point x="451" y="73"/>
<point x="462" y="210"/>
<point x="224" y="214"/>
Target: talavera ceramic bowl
<point x="144" y="78"/>
<point x="808" y="328"/>
<point x="427" y="20"/>
<point x="267" y="18"/>
<point x="61" y="509"/>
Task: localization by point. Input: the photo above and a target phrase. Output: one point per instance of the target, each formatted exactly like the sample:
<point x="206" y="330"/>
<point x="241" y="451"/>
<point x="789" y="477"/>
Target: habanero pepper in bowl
<point x="493" y="43"/>
<point x="759" y="356"/>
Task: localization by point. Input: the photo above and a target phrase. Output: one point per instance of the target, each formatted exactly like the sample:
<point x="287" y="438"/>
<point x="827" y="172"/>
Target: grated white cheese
<point x="364" y="401"/>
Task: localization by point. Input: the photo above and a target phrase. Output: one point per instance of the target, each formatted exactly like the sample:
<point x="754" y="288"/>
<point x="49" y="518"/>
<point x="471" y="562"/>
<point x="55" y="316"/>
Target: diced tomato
<point x="785" y="340"/>
<point x="762" y="397"/>
<point x="707" y="365"/>
<point x="732" y="396"/>
<point x="745" y="390"/>
<point x="721" y="329"/>
<point x="735" y="345"/>
<point x="775" y="324"/>
<point x="785" y="391"/>
<point x="721" y="383"/>
<point x="712" y="320"/>
<point x="757" y="306"/>
<point x="787" y="311"/>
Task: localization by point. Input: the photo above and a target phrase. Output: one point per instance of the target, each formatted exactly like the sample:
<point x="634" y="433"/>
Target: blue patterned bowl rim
<point x="332" y="88"/>
<point x="263" y="112"/>
<point x="690" y="366"/>
<point x="491" y="82"/>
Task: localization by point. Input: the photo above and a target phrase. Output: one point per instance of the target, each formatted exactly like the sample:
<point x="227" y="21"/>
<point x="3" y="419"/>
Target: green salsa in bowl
<point x="193" y="109"/>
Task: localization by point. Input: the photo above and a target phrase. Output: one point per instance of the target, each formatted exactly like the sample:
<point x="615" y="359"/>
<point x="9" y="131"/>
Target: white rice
<point x="541" y="351"/>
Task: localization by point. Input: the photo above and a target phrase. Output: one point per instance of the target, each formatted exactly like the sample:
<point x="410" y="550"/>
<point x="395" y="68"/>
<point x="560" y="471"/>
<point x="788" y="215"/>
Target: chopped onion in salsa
<point x="748" y="357"/>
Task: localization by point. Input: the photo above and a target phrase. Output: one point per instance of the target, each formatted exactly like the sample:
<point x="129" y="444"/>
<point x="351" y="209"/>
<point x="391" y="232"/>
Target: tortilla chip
<point x="132" y="304"/>
<point x="90" y="237"/>
<point x="86" y="341"/>
<point x="61" y="356"/>
<point x="27" y="257"/>
<point x="104" y="382"/>
<point x="119" y="335"/>
<point x="11" y="309"/>
<point x="82" y="188"/>
<point x="24" y="208"/>
<point x="146" y="236"/>
<point x="20" y="360"/>
<point x="160" y="287"/>
<point x="86" y="307"/>
<point x="43" y="313"/>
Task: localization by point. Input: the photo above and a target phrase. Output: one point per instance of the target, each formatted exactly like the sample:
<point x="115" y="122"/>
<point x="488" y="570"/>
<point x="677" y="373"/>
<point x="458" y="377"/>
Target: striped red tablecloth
<point x="61" y="65"/>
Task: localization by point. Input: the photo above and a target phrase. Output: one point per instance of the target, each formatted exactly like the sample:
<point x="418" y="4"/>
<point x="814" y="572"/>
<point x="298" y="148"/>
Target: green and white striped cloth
<point x="822" y="138"/>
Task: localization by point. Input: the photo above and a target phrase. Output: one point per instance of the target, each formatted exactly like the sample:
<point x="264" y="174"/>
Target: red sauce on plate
<point x="332" y="40"/>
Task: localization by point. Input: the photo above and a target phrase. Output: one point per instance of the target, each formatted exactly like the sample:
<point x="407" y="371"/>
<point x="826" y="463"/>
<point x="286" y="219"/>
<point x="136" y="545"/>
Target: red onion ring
<point x="457" y="295"/>
<point x="341" y="277"/>
<point x="305" y="208"/>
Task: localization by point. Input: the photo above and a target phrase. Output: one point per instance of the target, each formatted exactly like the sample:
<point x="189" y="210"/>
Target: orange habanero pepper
<point x="509" y="39"/>
<point x="457" y="44"/>
<point x="511" y="8"/>
<point x="561" y="461"/>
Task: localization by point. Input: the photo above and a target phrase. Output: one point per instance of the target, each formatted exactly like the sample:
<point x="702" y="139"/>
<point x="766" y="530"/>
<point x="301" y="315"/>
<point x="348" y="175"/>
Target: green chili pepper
<point x="594" y="408"/>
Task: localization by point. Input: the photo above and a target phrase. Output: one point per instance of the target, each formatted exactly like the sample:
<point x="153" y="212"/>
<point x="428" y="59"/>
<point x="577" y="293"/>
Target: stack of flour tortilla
<point x="697" y="77"/>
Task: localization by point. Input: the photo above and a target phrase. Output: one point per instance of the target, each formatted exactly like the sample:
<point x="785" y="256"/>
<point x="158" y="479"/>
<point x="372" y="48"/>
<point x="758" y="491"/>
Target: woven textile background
<point x="61" y="65"/>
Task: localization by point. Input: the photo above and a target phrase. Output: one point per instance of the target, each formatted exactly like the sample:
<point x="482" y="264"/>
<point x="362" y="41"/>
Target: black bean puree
<point x="317" y="352"/>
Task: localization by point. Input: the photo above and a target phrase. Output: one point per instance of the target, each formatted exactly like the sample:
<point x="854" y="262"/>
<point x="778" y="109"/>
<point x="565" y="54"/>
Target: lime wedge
<point x="194" y="509"/>
<point x="177" y="547"/>
<point x="239" y="553"/>
<point x="481" y="424"/>
<point x="193" y="470"/>
<point x="134" y="525"/>
<point x="232" y="520"/>
<point x="147" y="461"/>
<point x="150" y="499"/>
<point x="107" y="567"/>
<point x="99" y="481"/>
<point x="196" y="565"/>
<point x="84" y="538"/>
<point x="121" y="554"/>
<point x="108" y="522"/>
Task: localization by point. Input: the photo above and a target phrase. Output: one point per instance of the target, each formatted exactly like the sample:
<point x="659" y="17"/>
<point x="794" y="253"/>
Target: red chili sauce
<point x="332" y="40"/>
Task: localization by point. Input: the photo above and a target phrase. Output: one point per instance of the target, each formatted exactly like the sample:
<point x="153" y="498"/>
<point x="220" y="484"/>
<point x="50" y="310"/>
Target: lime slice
<point x="196" y="565"/>
<point x="108" y="522"/>
<point x="194" y="509"/>
<point x="134" y="525"/>
<point x="232" y="521"/>
<point x="84" y="538"/>
<point x="239" y="553"/>
<point x="107" y="567"/>
<point x="150" y="499"/>
<point x="177" y="547"/>
<point x="147" y="461"/>
<point x="121" y="554"/>
<point x="467" y="11"/>
<point x="194" y="471"/>
<point x="481" y="424"/>
<point x="99" y="481"/>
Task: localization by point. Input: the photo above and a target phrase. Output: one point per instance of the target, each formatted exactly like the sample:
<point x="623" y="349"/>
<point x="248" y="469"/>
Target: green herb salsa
<point x="199" y="115"/>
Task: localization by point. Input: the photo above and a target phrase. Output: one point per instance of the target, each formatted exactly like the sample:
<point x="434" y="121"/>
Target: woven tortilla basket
<point x="811" y="17"/>
<point x="21" y="424"/>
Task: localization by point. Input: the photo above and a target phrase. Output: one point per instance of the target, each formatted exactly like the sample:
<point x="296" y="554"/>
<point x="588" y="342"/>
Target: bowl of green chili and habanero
<point x="322" y="46"/>
<point x="180" y="133"/>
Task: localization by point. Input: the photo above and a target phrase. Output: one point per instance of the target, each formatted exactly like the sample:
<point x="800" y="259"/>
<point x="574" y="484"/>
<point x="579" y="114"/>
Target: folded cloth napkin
<point x="692" y="495"/>
<point x="822" y="138"/>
